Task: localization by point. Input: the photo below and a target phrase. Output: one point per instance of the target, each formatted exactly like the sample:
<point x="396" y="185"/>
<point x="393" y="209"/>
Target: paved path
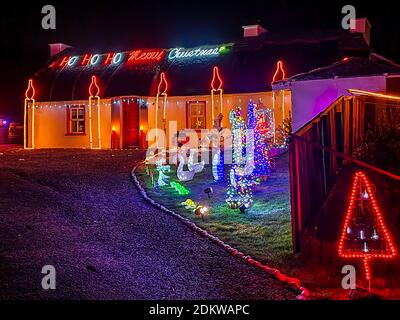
<point x="78" y="211"/>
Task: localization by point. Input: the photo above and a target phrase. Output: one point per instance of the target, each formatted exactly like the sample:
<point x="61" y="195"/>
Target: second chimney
<point x="253" y="30"/>
<point x="56" y="48"/>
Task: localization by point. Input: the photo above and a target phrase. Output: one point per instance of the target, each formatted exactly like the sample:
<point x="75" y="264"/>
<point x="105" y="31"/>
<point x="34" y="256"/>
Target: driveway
<point x="79" y="211"/>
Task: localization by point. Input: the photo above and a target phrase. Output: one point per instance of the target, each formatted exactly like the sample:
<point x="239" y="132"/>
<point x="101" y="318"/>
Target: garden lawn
<point x="264" y="231"/>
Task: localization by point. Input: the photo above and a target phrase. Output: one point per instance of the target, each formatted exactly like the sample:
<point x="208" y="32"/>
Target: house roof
<point x="350" y="67"/>
<point x="248" y="67"/>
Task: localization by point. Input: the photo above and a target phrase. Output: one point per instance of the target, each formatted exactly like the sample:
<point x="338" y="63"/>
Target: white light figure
<point x="196" y="167"/>
<point x="163" y="179"/>
<point x="218" y="166"/>
<point x="181" y="174"/>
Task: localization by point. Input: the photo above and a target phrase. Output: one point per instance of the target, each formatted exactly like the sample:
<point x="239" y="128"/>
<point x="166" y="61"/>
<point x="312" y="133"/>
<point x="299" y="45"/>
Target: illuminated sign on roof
<point x="139" y="56"/>
<point x="200" y="52"/>
<point x="110" y="59"/>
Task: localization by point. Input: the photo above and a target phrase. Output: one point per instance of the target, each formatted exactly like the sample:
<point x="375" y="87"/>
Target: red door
<point x="131" y="123"/>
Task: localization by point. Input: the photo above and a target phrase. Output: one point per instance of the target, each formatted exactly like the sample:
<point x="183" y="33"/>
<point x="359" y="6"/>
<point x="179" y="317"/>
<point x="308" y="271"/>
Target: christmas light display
<point x="218" y="167"/>
<point x="238" y="135"/>
<point x="279" y="75"/>
<point x="216" y="87"/>
<point x="161" y="91"/>
<point x="110" y="59"/>
<point x="181" y="174"/>
<point x="179" y="188"/>
<point x="94" y="91"/>
<point x="261" y="135"/>
<point x="189" y="204"/>
<point x="374" y="94"/>
<point x="197" y="167"/>
<point x="364" y="234"/>
<point x="283" y="132"/>
<point x="240" y="190"/>
<point x="200" y="52"/>
<point x="162" y="179"/>
<point x="250" y="139"/>
<point x="29" y="99"/>
<point x="201" y="211"/>
<point x="146" y="55"/>
<point x="161" y="168"/>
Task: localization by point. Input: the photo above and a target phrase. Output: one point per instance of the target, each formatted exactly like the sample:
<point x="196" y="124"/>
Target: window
<point x="197" y="115"/>
<point x="76" y="120"/>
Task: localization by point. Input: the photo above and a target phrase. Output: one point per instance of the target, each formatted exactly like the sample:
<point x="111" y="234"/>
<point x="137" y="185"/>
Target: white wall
<point x="309" y="98"/>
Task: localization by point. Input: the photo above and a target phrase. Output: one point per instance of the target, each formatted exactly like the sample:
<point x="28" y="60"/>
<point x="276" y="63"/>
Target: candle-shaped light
<point x="29" y="98"/>
<point x="279" y="75"/>
<point x="161" y="91"/>
<point x="94" y="89"/>
<point x="216" y="87"/>
<point x="94" y="92"/>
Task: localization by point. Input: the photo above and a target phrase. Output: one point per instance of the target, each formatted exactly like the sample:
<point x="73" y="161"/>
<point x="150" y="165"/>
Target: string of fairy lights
<point x="115" y="102"/>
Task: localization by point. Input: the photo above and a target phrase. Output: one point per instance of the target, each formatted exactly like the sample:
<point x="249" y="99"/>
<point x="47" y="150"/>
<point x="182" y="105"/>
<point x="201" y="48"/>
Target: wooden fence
<point x="323" y="148"/>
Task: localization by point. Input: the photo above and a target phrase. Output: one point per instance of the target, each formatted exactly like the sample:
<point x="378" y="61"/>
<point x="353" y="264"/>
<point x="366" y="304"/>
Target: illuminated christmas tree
<point x="364" y="234"/>
<point x="218" y="165"/>
<point x="261" y="135"/>
<point x="250" y="140"/>
<point x="241" y="182"/>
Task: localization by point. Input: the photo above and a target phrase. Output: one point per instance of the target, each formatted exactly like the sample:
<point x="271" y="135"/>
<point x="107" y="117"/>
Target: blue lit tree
<point x="261" y="150"/>
<point x="240" y="190"/>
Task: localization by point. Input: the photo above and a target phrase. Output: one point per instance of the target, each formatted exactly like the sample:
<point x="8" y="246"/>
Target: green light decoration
<point x="179" y="188"/>
<point x="224" y="49"/>
<point x="162" y="179"/>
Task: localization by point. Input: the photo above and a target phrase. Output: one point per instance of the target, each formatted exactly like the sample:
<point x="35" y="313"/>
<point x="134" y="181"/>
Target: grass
<point x="263" y="232"/>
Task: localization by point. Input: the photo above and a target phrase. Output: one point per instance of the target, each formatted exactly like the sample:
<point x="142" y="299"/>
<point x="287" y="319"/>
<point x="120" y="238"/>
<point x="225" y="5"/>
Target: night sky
<point x="122" y="25"/>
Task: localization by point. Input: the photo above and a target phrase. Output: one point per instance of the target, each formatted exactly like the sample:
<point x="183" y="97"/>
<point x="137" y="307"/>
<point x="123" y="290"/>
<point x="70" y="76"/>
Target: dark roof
<point x="350" y="67"/>
<point x="248" y="67"/>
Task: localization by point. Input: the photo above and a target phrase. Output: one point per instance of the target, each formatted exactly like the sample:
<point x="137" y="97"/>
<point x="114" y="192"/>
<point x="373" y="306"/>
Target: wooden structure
<point x="324" y="147"/>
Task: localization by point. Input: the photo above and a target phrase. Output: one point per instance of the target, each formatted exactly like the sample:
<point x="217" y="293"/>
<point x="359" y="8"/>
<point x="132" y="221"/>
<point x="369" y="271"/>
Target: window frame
<point x="189" y="115"/>
<point x="70" y="120"/>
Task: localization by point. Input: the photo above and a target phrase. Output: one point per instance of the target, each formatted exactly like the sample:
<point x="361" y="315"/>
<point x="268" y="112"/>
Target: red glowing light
<point x="280" y="73"/>
<point x="360" y="181"/>
<point x="163" y="85"/>
<point x="86" y="59"/>
<point x="64" y="61"/>
<point x="30" y="91"/>
<point x="109" y="58"/>
<point x="94" y="89"/>
<point x="216" y="80"/>
<point x="145" y="55"/>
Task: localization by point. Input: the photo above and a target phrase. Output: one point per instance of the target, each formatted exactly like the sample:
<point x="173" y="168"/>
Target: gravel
<point x="79" y="211"/>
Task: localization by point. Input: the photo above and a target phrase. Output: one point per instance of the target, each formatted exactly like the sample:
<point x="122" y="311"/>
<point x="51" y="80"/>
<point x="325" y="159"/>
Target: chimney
<point x="363" y="26"/>
<point x="253" y="30"/>
<point x="56" y="48"/>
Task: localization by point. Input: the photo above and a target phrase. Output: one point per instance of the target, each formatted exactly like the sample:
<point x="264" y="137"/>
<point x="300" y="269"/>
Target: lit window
<point x="76" y="119"/>
<point x="197" y="115"/>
